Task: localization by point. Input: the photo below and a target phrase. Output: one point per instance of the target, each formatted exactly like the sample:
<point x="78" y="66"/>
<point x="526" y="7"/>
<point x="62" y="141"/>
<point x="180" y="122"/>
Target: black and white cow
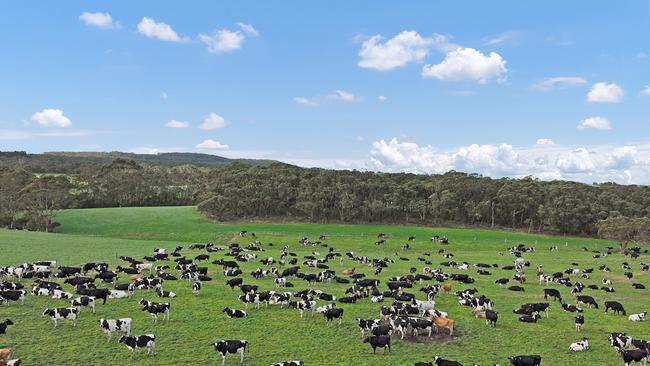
<point x="580" y="322"/>
<point x="88" y="301"/>
<point x="637" y="355"/>
<point x="334" y="313"/>
<point x="525" y="360"/>
<point x="587" y="300"/>
<point x="147" y="341"/>
<point x="57" y="314"/>
<point x="367" y="325"/>
<point x="289" y="363"/>
<point x="226" y="347"/>
<point x="17" y="295"/>
<point x="110" y="326"/>
<point x="196" y="288"/>
<point x="155" y="308"/>
<point x="615" y="306"/>
<point x="234" y="313"/>
<point x="163" y="293"/>
<point x="442" y="362"/>
<point x="382" y="341"/>
<point x="97" y="293"/>
<point x="620" y="341"/>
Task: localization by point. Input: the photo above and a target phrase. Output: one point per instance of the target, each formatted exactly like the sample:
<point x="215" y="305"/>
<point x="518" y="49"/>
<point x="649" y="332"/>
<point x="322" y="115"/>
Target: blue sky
<point x="554" y="89"/>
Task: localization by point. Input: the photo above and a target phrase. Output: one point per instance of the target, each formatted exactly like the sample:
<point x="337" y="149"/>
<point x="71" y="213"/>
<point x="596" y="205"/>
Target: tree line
<point x="282" y="192"/>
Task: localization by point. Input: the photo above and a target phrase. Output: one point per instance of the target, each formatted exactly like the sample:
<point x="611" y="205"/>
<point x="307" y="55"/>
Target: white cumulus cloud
<point x="100" y="20"/>
<point x="177" y="124"/>
<point x="211" y="144"/>
<point x="381" y="98"/>
<point x="248" y="29"/>
<point x="223" y="40"/>
<point x="306" y="101"/>
<point x="379" y="54"/>
<point x="597" y="123"/>
<point x="467" y="64"/>
<point x="213" y="121"/>
<point x="646" y="91"/>
<point x="50" y="117"/>
<point x="162" y="31"/>
<point x="559" y="82"/>
<point x="605" y="93"/>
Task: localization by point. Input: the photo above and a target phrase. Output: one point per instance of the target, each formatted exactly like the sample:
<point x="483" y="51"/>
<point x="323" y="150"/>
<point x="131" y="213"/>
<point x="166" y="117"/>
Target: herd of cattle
<point x="402" y="314"/>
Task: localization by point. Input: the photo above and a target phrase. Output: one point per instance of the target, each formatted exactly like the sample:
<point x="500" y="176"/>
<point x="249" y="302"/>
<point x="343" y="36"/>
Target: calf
<point x="57" y="314"/>
<point x="226" y="347"/>
<point x="581" y="346"/>
<point x="234" y="313"/>
<point x="196" y="288"/>
<point x="382" y="341"/>
<point x="616" y="307"/>
<point x="110" y="326"/>
<point x="525" y="360"/>
<point x="84" y="301"/>
<point x="147" y="341"/>
<point x="4" y="325"/>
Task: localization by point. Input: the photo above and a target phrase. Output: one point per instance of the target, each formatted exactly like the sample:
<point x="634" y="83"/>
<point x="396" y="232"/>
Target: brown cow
<point x="445" y="323"/>
<point x="347" y="272"/>
<point x="5" y="353"/>
<point x="446" y="288"/>
<point x="479" y="314"/>
<point x="135" y="278"/>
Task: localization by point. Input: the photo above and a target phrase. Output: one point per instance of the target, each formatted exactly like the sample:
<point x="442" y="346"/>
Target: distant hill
<point x="71" y="162"/>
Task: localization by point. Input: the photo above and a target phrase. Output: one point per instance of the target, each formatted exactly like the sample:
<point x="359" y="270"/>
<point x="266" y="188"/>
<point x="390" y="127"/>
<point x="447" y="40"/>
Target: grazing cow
<point x="555" y="294"/>
<point x="334" y="313"/>
<point x="525" y="360"/>
<point x="637" y="355"/>
<point x="97" y="293"/>
<point x="4" y="325"/>
<point x="196" y="288"/>
<point x="491" y="317"/>
<point x="84" y="301"/>
<point x="587" y="300"/>
<point x="235" y="282"/>
<point x="155" y="308"/>
<point x="57" y="314"/>
<point x="234" y="313"/>
<point x="580" y="346"/>
<point x="616" y="307"/>
<point x="580" y="322"/>
<point x="382" y="341"/>
<point x="147" y="341"/>
<point x="110" y="326"/>
<point x="289" y="363"/>
<point x="442" y="362"/>
<point x="634" y="317"/>
<point x="226" y="347"/>
<point x="440" y="322"/>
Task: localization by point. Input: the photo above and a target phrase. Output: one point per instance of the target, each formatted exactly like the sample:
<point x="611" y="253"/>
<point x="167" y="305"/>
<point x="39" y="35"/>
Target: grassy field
<point x="279" y="334"/>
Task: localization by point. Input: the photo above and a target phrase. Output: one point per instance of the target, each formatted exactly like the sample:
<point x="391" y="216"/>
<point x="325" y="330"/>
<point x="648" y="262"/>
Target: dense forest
<point x="30" y="197"/>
